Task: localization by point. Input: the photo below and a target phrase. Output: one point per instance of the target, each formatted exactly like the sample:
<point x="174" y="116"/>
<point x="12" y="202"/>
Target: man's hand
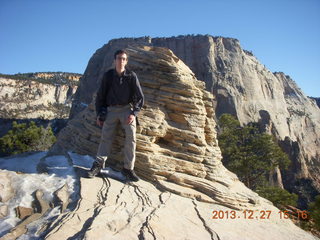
<point x="99" y="123"/>
<point x="130" y="119"/>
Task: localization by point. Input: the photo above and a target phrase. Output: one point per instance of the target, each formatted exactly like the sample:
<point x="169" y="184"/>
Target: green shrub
<point x="314" y="210"/>
<point x="278" y="196"/>
<point x="25" y="138"/>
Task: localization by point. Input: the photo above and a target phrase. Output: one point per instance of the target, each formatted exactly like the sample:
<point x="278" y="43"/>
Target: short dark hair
<point x="120" y="51"/>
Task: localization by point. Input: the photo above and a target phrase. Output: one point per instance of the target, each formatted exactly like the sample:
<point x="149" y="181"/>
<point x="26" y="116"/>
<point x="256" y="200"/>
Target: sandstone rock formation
<point x="243" y="87"/>
<point x="176" y="140"/>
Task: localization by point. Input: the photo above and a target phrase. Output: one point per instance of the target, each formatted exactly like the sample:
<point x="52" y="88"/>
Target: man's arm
<point x="101" y="105"/>
<point x="100" y="98"/>
<point x="138" y="97"/>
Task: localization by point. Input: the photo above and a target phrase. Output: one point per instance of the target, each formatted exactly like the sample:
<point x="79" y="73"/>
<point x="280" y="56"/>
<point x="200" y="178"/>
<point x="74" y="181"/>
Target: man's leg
<point x="105" y="145"/>
<point x="129" y="146"/>
<point x="107" y="136"/>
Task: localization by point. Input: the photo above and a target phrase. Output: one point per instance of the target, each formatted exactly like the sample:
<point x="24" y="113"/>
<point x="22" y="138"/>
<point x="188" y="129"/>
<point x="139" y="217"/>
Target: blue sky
<point x="62" y="35"/>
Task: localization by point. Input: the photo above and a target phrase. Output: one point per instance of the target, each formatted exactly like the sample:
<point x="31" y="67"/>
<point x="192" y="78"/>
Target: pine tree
<point x="279" y="197"/>
<point x="248" y="152"/>
<point x="25" y="138"/>
<point x="314" y="209"/>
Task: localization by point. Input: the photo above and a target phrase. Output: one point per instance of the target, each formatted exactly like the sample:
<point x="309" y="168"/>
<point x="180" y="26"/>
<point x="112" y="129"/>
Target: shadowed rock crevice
<point x="86" y="226"/>
<point x="146" y="224"/>
<point x="213" y="234"/>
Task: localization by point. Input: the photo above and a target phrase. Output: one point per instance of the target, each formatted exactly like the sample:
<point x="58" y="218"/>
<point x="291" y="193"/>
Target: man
<point x="119" y="99"/>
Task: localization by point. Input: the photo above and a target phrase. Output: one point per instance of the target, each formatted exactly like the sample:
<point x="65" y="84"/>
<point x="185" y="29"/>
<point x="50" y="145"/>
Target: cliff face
<point x="243" y="87"/>
<point x="246" y="89"/>
<point x="38" y="96"/>
<point x="31" y="99"/>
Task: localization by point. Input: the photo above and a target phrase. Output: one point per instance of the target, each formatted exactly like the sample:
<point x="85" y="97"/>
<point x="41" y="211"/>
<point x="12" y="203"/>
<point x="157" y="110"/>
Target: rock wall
<point x="242" y="86"/>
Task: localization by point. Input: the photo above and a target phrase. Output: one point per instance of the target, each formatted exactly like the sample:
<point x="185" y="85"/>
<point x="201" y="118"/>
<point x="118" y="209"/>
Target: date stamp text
<point x="259" y="214"/>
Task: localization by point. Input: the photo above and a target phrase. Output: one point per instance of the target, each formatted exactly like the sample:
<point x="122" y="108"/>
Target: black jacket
<point x="119" y="90"/>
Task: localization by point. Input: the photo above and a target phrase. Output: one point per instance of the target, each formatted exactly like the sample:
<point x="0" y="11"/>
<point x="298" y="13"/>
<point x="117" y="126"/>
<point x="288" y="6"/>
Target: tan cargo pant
<point x="114" y="116"/>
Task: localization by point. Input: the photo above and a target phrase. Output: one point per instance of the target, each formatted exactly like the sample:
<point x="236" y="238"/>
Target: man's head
<point x="121" y="60"/>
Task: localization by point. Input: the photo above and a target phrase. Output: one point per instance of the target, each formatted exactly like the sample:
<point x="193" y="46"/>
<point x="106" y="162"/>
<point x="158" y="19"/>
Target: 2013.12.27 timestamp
<point x="257" y="214"/>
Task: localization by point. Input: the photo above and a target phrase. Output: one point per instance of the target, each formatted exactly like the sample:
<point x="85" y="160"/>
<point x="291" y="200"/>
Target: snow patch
<point x="25" y="181"/>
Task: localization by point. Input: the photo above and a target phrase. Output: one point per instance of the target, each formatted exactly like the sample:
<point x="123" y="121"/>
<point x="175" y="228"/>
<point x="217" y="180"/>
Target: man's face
<point x="121" y="62"/>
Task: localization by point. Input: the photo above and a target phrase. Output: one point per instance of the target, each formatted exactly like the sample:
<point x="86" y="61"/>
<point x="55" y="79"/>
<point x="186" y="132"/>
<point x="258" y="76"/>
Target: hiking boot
<point x="95" y="169"/>
<point x="130" y="175"/>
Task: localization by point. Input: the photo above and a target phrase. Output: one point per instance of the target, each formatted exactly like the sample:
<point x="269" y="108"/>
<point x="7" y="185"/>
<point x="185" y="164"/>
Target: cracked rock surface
<point x="109" y="209"/>
<point x="104" y="208"/>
